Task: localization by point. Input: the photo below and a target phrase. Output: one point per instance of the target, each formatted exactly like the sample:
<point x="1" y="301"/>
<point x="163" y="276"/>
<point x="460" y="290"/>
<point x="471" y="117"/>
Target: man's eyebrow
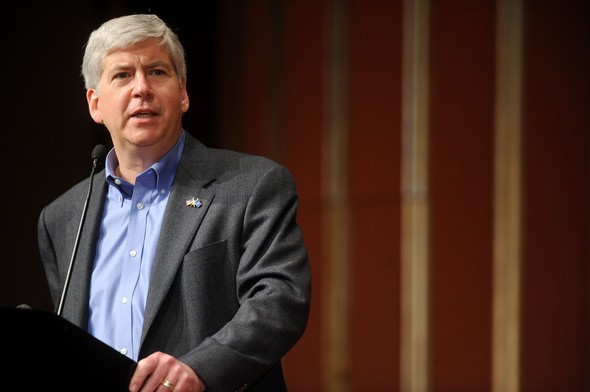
<point x="118" y="67"/>
<point x="154" y="64"/>
<point x="159" y="63"/>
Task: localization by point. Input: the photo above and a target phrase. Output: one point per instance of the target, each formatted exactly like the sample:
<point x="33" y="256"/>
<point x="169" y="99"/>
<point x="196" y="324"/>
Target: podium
<point x="40" y="351"/>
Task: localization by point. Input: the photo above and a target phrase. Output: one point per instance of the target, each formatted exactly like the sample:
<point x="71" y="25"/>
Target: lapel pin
<point x="195" y="203"/>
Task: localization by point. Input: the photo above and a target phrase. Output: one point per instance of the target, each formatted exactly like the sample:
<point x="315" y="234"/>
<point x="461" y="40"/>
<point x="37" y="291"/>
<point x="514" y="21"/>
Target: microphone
<point x="98" y="155"/>
<point x="24" y="306"/>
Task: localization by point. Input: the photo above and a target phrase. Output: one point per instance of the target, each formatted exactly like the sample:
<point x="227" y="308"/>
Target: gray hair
<point x="123" y="32"/>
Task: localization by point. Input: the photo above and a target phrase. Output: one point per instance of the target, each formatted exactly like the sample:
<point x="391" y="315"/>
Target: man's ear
<point x="184" y="97"/>
<point x="92" y="98"/>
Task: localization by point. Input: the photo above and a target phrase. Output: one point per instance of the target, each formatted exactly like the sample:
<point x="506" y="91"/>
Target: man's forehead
<point x="142" y="54"/>
<point x="149" y="46"/>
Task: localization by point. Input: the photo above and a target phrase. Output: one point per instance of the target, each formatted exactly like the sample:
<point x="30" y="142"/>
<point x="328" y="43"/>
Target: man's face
<point x="140" y="98"/>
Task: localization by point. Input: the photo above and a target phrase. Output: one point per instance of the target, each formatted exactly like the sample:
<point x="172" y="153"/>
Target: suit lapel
<point x="181" y="222"/>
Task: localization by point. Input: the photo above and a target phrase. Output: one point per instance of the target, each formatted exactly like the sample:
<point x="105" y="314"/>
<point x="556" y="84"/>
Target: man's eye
<point x="122" y="75"/>
<point x="158" y="72"/>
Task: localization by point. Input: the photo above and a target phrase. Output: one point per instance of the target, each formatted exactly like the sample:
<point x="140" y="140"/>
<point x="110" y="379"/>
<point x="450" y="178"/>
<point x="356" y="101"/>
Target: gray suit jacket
<point x="230" y="287"/>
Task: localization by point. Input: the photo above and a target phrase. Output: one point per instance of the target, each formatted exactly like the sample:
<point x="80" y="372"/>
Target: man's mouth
<point x="144" y="115"/>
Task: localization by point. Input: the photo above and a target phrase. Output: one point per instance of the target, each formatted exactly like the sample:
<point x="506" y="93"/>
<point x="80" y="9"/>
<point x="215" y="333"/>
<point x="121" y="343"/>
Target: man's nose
<point x="141" y="86"/>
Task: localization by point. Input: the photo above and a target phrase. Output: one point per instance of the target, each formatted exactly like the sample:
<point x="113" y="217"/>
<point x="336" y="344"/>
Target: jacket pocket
<point x="205" y="254"/>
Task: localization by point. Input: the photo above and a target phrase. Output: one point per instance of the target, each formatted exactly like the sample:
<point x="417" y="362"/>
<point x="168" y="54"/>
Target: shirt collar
<point x="165" y="168"/>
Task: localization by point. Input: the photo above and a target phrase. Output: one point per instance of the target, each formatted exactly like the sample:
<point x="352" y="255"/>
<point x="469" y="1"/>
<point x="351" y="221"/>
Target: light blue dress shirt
<point x="125" y="251"/>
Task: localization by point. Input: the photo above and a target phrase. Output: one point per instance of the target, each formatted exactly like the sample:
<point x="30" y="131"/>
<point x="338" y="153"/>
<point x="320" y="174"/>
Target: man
<point x="190" y="260"/>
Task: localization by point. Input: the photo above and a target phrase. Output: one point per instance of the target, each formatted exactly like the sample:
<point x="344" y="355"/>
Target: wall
<point x="322" y="87"/>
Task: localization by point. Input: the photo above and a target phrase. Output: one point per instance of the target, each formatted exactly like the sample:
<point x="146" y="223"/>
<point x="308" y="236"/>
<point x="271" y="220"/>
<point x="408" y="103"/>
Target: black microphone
<point x="98" y="155"/>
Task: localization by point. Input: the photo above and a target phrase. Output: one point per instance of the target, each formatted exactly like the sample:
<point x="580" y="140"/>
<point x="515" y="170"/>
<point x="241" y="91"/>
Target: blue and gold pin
<point x="195" y="203"/>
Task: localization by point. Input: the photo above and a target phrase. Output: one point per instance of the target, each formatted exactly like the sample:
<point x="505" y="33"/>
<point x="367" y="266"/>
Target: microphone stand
<point x="96" y="158"/>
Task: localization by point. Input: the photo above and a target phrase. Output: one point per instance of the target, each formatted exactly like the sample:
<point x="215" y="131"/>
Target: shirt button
<point x="124" y="300"/>
<point x="117" y="181"/>
<point x="123" y="351"/>
<point x="140" y="206"/>
<point x="133" y="253"/>
<point x="162" y="191"/>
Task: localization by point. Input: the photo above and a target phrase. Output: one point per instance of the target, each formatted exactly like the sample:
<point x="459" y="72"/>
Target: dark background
<point x="48" y="135"/>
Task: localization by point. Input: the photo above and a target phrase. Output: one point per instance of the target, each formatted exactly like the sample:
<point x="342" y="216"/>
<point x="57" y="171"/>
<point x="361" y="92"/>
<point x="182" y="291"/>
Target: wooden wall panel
<point x="302" y="123"/>
<point x="461" y="161"/>
<point x="374" y="175"/>
<point x="277" y="90"/>
<point x="255" y="84"/>
<point x="556" y="300"/>
<point x="247" y="63"/>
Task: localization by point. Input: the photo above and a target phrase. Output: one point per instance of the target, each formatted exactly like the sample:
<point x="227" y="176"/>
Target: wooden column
<point x="507" y="198"/>
<point x="414" y="372"/>
<point x="335" y="150"/>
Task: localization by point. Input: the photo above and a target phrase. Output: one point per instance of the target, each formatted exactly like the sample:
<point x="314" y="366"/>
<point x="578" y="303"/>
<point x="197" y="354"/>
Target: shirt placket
<point x="132" y="264"/>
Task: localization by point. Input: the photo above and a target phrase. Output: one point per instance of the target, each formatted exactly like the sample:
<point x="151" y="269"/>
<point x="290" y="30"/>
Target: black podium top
<point x="40" y="351"/>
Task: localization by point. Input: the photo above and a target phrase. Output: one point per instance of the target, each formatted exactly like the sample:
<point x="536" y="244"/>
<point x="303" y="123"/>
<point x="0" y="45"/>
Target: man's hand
<point x="164" y="373"/>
